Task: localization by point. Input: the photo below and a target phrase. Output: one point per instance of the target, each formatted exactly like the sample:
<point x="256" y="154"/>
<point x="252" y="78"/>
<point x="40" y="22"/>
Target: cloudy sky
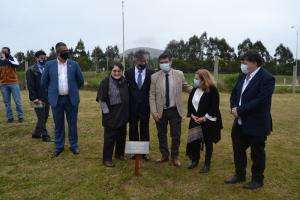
<point x="32" y="24"/>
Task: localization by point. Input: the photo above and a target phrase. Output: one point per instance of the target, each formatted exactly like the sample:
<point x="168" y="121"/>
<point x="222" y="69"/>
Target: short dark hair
<point x="58" y="45"/>
<point x="140" y="54"/>
<point x="8" y="49"/>
<point x="164" y="56"/>
<point x="119" y="65"/>
<point x="253" y="56"/>
<point x="40" y="53"/>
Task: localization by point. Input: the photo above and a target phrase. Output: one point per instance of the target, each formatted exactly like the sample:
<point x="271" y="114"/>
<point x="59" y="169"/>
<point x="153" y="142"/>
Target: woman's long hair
<point x="206" y="78"/>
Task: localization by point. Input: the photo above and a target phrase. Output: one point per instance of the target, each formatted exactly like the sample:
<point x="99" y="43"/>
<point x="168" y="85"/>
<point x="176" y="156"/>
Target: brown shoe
<point x="108" y="164"/>
<point x="162" y="160"/>
<point x="176" y="162"/>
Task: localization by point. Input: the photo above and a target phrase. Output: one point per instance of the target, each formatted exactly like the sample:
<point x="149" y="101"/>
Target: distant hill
<point x="154" y="53"/>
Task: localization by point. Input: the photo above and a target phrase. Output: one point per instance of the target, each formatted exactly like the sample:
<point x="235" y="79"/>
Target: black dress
<point x="208" y="104"/>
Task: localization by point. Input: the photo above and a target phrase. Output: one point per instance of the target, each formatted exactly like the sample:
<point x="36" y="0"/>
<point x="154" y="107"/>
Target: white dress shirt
<point x="63" y="87"/>
<point x="137" y="75"/>
<point x="245" y="84"/>
<point x="196" y="100"/>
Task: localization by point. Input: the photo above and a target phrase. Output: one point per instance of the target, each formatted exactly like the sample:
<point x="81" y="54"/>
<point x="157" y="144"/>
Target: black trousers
<point x="172" y="117"/>
<point x="114" y="138"/>
<point x="139" y="127"/>
<point x="194" y="148"/>
<point x="241" y="143"/>
<point x="42" y="115"/>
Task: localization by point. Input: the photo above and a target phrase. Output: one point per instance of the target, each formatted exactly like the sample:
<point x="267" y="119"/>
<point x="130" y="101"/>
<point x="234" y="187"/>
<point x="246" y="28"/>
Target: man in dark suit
<point x="38" y="96"/>
<point x="250" y="102"/>
<point x="62" y="78"/>
<point x="139" y="80"/>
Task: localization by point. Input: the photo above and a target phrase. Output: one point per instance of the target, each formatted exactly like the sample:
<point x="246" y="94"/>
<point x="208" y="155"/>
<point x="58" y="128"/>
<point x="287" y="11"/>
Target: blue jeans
<point x="12" y="89"/>
<point x="64" y="107"/>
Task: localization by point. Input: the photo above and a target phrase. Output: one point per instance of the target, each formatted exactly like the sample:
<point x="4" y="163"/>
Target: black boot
<point x="205" y="168"/>
<point x="193" y="164"/>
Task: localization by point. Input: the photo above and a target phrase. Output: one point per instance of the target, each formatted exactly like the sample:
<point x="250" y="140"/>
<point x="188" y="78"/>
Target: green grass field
<point x="27" y="170"/>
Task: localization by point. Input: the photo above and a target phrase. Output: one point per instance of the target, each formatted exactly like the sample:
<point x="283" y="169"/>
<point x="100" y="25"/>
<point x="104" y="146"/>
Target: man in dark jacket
<point x="139" y="80"/>
<point x="250" y="102"/>
<point x="38" y="96"/>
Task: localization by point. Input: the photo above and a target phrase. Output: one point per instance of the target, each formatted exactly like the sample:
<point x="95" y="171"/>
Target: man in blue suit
<point x="62" y="78"/>
<point x="250" y="102"/>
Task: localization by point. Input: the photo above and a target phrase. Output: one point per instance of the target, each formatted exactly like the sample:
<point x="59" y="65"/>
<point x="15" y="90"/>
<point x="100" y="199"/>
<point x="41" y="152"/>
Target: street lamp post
<point x="295" y="71"/>
<point x="123" y="29"/>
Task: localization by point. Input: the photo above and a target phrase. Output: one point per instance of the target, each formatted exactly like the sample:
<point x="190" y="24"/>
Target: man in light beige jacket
<point x="166" y="106"/>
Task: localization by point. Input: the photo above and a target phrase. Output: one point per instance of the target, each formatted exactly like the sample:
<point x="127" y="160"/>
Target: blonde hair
<point x="206" y="78"/>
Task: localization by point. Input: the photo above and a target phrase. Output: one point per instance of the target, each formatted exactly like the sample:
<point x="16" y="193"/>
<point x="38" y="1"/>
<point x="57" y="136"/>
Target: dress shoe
<point x="46" y="138"/>
<point x="193" y="164"/>
<point x="56" y="153"/>
<point x="205" y="169"/>
<point x="234" y="180"/>
<point x="176" y="162"/>
<point x="146" y="157"/>
<point x="108" y="164"/>
<point x="74" y="151"/>
<point x="21" y="120"/>
<point x="36" y="136"/>
<point x="121" y="158"/>
<point x="162" y="160"/>
<point x="252" y="185"/>
<point x="9" y="121"/>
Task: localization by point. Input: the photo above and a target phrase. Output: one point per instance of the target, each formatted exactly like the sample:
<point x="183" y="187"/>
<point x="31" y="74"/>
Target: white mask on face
<point x="244" y="69"/>
<point x="165" y="67"/>
<point x="197" y="83"/>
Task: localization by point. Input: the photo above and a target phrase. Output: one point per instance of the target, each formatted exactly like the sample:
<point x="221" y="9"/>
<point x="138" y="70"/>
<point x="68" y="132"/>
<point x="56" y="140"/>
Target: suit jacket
<point x="208" y="104"/>
<point x="138" y="97"/>
<point x="256" y="103"/>
<point x="35" y="89"/>
<point x="157" y="91"/>
<point x="50" y="81"/>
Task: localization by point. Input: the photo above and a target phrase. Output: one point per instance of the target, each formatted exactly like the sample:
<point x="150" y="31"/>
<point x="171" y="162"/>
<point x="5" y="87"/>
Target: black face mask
<point x="64" y="55"/>
<point x="141" y="66"/>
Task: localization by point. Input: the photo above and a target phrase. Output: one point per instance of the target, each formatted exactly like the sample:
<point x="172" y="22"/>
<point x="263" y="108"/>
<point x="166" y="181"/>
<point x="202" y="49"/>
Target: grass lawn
<point x="28" y="172"/>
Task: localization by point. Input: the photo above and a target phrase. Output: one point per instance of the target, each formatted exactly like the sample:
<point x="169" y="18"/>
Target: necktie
<point x="167" y="91"/>
<point x="139" y="79"/>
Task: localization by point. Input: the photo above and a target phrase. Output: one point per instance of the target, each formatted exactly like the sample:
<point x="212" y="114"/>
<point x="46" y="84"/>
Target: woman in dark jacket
<point x="205" y="119"/>
<point x="113" y="98"/>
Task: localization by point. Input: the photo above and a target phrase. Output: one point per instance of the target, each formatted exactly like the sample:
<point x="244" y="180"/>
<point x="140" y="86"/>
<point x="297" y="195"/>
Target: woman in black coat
<point x="205" y="119"/>
<point x="113" y="97"/>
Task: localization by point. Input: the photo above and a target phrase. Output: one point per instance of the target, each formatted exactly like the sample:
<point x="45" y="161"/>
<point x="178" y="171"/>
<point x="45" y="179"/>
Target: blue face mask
<point x="165" y="67"/>
<point x="42" y="62"/>
<point x="197" y="83"/>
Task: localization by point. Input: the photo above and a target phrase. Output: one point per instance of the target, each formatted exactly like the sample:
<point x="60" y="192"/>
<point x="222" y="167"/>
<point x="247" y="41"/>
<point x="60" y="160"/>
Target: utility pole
<point x="216" y="68"/>
<point x="123" y="28"/>
<point x="295" y="68"/>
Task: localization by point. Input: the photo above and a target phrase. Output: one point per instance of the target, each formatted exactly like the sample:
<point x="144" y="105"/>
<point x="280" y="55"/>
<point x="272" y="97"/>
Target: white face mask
<point x="244" y="69"/>
<point x="197" y="83"/>
<point x="165" y="67"/>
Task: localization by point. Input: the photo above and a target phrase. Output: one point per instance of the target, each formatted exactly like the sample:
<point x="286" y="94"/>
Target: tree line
<point x="188" y="56"/>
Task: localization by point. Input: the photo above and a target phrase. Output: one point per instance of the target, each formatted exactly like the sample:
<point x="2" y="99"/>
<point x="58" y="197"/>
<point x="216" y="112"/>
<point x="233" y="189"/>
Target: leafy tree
<point x="98" y="57"/>
<point x="245" y="46"/>
<point x="81" y="56"/>
<point x="283" y="55"/>
<point x="262" y="50"/>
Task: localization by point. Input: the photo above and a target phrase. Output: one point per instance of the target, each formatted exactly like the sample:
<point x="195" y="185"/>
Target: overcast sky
<point x="33" y="24"/>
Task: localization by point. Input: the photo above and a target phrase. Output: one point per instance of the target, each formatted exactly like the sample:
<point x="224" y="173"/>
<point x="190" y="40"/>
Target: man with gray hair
<point x="139" y="80"/>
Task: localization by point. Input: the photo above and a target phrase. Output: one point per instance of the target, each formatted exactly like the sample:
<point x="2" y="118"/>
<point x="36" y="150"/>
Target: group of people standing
<point x="132" y="96"/>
